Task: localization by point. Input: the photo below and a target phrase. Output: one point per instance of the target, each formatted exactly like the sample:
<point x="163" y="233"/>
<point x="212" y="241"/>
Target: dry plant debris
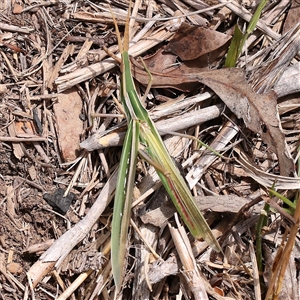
<point x="61" y="130"/>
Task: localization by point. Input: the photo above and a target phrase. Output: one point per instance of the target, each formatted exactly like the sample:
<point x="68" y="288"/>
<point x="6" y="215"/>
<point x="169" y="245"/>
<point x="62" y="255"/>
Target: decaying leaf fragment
<point x="258" y="111"/>
<point x="165" y="71"/>
<point x="198" y="47"/>
<point x="191" y="42"/>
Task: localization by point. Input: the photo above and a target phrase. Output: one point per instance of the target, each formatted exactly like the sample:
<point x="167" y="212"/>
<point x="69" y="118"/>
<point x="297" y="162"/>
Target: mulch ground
<point x="60" y="144"/>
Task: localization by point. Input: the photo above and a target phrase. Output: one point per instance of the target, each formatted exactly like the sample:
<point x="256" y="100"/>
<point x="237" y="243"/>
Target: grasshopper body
<point x="141" y="129"/>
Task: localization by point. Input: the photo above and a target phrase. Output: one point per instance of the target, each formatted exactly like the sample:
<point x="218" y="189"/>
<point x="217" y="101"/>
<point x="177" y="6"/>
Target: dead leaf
<point x="258" y="111"/>
<point x="199" y="48"/>
<point x="289" y="288"/>
<point x="32" y="173"/>
<point x="14" y="268"/>
<point x="13" y="47"/>
<point x="264" y="178"/>
<point x="219" y="291"/>
<point x="191" y="42"/>
<point x="24" y="127"/>
<point x="166" y="72"/>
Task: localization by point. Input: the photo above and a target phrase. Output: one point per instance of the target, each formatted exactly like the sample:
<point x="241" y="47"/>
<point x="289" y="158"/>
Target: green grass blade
<point x="130" y="98"/>
<point x="284" y="199"/>
<point x="235" y="47"/>
<point x="123" y="200"/>
<point x="239" y="38"/>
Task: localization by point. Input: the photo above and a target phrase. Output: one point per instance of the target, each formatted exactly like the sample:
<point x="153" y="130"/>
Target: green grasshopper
<point x="141" y="131"/>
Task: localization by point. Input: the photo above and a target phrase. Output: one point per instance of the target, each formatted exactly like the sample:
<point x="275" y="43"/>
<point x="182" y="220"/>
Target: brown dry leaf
<point x="198" y="47"/>
<point x="67" y="111"/>
<point x="165" y="72"/>
<point x="290" y="284"/>
<point x="219" y="291"/>
<point x="191" y="42"/>
<point x="14" y="268"/>
<point x="258" y="111"/>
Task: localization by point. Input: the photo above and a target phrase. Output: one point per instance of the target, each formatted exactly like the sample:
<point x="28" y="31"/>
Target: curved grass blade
<point x="239" y="38"/>
<point x="123" y="200"/>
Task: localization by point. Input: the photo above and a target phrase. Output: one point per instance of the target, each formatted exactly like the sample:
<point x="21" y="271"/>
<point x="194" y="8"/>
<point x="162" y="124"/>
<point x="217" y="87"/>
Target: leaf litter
<point x="56" y="47"/>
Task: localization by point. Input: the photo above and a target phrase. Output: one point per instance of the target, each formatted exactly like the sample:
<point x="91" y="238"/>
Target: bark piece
<point x="67" y="111"/>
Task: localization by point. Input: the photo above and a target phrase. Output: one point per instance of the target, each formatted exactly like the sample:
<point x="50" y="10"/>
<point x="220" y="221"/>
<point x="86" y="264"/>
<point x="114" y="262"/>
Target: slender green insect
<point x="142" y="130"/>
